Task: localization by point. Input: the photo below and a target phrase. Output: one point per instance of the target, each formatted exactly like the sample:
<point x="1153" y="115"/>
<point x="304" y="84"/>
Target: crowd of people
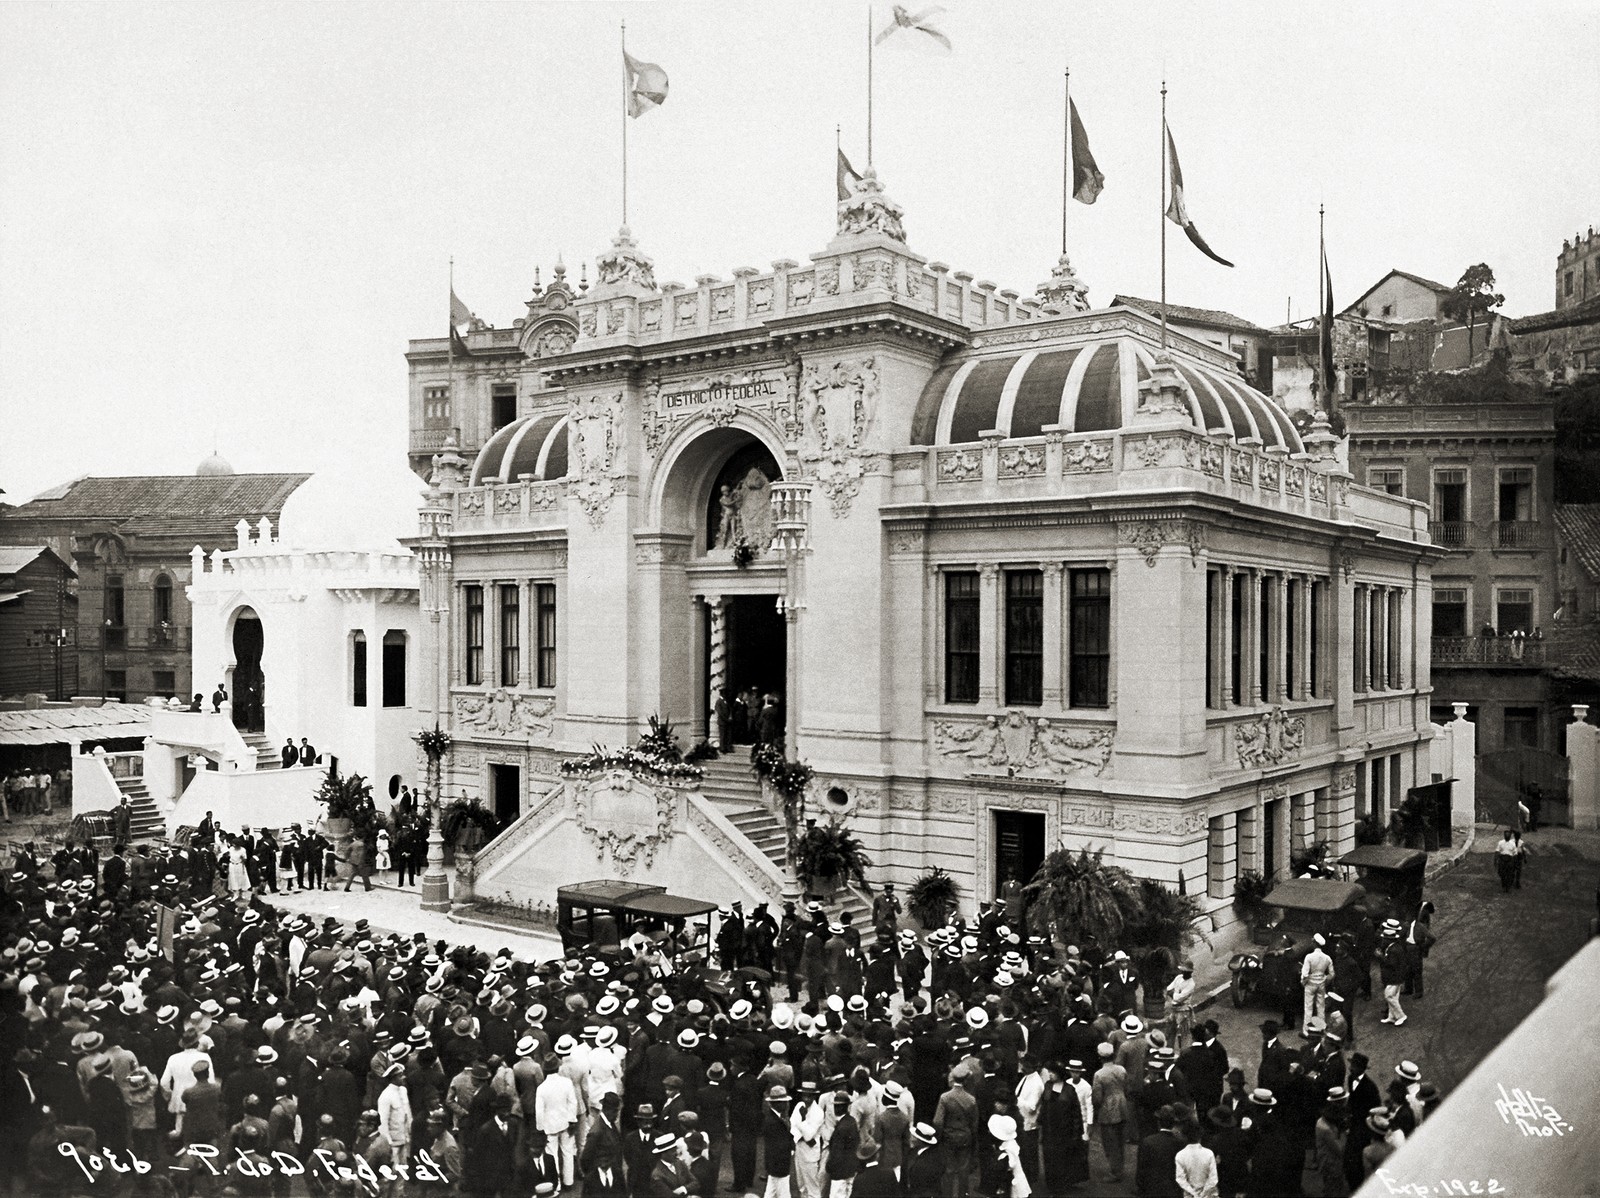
<point x="33" y="791"/>
<point x="160" y="1037"/>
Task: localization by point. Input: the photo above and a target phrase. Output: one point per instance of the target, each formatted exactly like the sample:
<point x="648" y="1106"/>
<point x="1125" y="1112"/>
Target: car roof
<point x="1384" y="856"/>
<point x="605" y="892"/>
<point x="669" y="906"/>
<point x="1315" y="894"/>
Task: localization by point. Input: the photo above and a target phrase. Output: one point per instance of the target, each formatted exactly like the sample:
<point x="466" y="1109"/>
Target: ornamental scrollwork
<point x="1021" y="461"/>
<point x="1087" y="457"/>
<point x="1146" y="536"/>
<point x="839" y="402"/>
<point x="625" y="818"/>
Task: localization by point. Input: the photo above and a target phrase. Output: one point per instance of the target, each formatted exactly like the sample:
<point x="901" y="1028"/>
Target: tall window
<point x="1513" y="611"/>
<point x="164" y="683"/>
<point x="1292" y="632"/>
<point x="436" y="406"/>
<point x="1515" y="500"/>
<point x="117" y="685"/>
<point x="1450" y="507"/>
<point x="503" y="403"/>
<point x="1319" y="606"/>
<point x="1213" y="637"/>
<point x="1236" y="658"/>
<point x="1089" y="670"/>
<point x="1450" y="611"/>
<point x="545" y="599"/>
<point x="961" y="637"/>
<point x="1394" y="639"/>
<point x="394" y="668"/>
<point x="1375" y="637"/>
<point x="1268" y="592"/>
<point x="510" y="636"/>
<point x="358" y="670"/>
<point x="161" y="605"/>
<point x="116" y="632"/>
<point x="474" y="659"/>
<point x="1024" y="637"/>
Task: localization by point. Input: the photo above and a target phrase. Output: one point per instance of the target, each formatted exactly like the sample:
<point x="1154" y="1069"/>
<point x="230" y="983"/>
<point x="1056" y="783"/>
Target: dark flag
<point x="460" y="315"/>
<point x="1177" y="210"/>
<point x="1330" y="379"/>
<point x="848" y="177"/>
<point x="1087" y="180"/>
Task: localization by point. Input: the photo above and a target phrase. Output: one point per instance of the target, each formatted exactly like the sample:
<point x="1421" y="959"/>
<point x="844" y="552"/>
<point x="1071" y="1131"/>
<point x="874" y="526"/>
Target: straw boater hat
<point x="1407" y="1071"/>
<point x="924" y="1133"/>
<point x="1261" y="1096"/>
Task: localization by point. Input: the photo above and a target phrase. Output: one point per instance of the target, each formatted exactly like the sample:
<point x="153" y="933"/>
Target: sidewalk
<point x="391" y="909"/>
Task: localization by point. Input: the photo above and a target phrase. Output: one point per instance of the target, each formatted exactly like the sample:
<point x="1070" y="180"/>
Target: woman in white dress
<point x="238" y="872"/>
<point x="382" y="863"/>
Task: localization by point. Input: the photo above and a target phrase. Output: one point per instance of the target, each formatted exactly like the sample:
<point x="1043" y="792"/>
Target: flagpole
<point x="450" y="338"/>
<point x="869" y="85"/>
<point x="624" y="124"/>
<point x="1163" y="215"/>
<point x="1322" y="305"/>
<point x="1066" y="151"/>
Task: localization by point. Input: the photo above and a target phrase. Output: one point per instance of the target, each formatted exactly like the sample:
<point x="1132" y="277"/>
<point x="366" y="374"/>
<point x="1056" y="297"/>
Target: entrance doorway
<point x="249" y="686"/>
<point x="1272" y="825"/>
<point x="758" y="654"/>
<point x="1018" y="847"/>
<point x="505" y="792"/>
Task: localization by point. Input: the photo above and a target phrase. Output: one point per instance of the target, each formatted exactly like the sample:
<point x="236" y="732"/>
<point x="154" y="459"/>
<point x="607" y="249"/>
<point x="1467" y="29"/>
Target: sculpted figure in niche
<point x="727" y="519"/>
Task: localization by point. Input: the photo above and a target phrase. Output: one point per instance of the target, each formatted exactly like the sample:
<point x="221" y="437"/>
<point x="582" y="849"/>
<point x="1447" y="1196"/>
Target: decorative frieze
<point x="1086" y="457"/>
<point x="1013" y="743"/>
<point x="1269" y="739"/>
<point x="959" y="466"/>
<point x="1021" y="461"/>
<point x="500" y="713"/>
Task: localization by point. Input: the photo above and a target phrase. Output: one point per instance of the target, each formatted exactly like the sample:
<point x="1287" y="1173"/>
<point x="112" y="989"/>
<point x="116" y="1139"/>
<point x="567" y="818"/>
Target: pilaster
<point x="990" y="641"/>
<point x="1055" y="617"/>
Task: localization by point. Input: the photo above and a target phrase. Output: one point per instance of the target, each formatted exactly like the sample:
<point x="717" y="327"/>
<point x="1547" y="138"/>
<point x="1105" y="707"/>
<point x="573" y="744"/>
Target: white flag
<point x="918" y="28"/>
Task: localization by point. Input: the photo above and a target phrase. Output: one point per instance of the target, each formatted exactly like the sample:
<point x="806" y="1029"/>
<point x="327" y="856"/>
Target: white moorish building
<point x="1021" y="578"/>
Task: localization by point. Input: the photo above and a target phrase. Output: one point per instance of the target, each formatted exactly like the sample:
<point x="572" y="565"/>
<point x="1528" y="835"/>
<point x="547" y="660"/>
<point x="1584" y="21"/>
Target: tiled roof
<point x="1579" y="526"/>
<point x="73" y="725"/>
<point x="1214" y="317"/>
<point x="167" y="495"/>
<point x="1573" y="651"/>
<point x="1587" y="312"/>
<point x="1439" y="288"/>
<point x="17" y="557"/>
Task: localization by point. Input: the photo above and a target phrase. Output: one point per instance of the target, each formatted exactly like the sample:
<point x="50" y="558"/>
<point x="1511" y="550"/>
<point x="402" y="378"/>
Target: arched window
<point x="358" y="669"/>
<point x="162" y="605"/>
<point x="394" y="668"/>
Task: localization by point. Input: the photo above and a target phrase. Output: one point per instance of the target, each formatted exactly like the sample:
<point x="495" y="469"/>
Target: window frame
<point x="1395" y="475"/>
<point x="1024" y="668"/>
<point x="1500" y="483"/>
<point x="1465" y="590"/>
<point x="498" y="392"/>
<point x="547" y="634"/>
<point x="359" y="667"/>
<point x="432" y="394"/>
<point x="1434" y="507"/>
<point x="394" y="688"/>
<point x="969" y="607"/>
<point x="1097" y="664"/>
<point x="472" y="614"/>
<point x="1500" y="593"/>
<point x="508" y="610"/>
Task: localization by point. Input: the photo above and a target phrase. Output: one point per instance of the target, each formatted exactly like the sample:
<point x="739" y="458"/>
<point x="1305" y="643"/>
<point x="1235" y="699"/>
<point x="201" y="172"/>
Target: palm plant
<point x="932" y="898"/>
<point x="1081" y="895"/>
<point x="1158" y="926"/>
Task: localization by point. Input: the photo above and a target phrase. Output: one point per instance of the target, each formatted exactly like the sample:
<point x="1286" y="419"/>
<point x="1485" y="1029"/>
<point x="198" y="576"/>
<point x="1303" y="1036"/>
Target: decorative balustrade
<point x="1521" y="534"/>
<point x="1488" y="651"/>
<point x="525" y="504"/>
<point x="1451" y="534"/>
<point x="791" y="517"/>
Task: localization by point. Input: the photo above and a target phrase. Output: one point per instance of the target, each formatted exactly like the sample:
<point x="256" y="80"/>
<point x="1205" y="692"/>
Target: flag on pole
<point x="1330" y="378"/>
<point x="460" y="317"/>
<point x="1087" y="180"/>
<point x="918" y="27"/>
<point x="848" y="177"/>
<point x="1178" y="211"/>
<point x="647" y="85"/>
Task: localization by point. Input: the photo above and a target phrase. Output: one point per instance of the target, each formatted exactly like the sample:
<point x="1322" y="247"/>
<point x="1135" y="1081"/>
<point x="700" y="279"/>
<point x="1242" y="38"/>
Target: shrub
<point x="932" y="898"/>
<point x="830" y="852"/>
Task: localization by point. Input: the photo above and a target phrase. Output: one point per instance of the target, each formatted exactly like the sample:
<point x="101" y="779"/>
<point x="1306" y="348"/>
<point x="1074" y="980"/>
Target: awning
<point x="73" y="725"/>
<point x="12" y="596"/>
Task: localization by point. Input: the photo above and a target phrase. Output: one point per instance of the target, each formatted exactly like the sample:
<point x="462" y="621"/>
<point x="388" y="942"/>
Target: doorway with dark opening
<point x="249" y="685"/>
<point x="505" y="792"/>
<point x="1018" y="848"/>
<point x="758" y="651"/>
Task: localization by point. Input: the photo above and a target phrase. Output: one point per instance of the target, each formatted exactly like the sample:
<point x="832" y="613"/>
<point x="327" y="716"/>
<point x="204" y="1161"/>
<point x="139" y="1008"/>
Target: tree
<point x="1157" y="927"/>
<point x="1472" y="294"/>
<point x="1080" y="895"/>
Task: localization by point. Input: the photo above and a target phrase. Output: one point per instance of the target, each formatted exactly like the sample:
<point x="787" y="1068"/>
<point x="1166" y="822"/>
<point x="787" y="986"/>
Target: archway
<point x="249" y="684"/>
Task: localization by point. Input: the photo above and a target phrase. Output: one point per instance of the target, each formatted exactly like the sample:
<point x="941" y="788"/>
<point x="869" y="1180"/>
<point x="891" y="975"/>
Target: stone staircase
<point x="734" y="788"/>
<point x="146" y="822"/>
<point x="268" y="756"/>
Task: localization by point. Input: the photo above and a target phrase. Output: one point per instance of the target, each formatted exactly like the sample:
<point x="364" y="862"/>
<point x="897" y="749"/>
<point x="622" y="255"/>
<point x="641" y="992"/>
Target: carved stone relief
<point x="959" y="466"/>
<point x="1269" y="739"/>
<point x="596" y="424"/>
<point x="1086" y="457"/>
<point x="1014" y="744"/>
<point x="1294" y="480"/>
<point x="839" y="402"/>
<point x="624" y="818"/>
<point x="1146" y="536"/>
<point x="501" y="713"/>
<point x="1021" y="461"/>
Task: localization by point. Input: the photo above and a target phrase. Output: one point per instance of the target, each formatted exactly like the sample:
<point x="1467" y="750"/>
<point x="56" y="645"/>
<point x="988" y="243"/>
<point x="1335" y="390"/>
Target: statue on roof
<point x="1064" y="290"/>
<point x="623" y="264"/>
<point x="868" y="212"/>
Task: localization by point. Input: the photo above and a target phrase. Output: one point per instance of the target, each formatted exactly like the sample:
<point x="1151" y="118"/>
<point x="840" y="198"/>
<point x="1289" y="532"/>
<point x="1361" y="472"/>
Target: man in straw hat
<point x="777" y="1141"/>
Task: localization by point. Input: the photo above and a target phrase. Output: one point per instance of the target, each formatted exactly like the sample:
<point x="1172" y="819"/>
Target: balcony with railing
<point x="167" y="635"/>
<point x="1521" y="534"/>
<point x="1451" y="534"/>
<point x="1488" y="651"/>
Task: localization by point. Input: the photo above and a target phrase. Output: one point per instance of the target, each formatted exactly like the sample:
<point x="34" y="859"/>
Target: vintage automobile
<point x="601" y="915"/>
<point x="1297" y="910"/>
<point x="1391" y="876"/>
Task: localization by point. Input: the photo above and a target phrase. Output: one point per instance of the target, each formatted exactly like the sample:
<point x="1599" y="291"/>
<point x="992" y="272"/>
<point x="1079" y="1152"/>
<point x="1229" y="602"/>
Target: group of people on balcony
<point x="748" y="718"/>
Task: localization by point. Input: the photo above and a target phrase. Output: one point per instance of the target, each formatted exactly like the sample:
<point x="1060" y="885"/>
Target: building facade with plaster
<point x="1016" y="576"/>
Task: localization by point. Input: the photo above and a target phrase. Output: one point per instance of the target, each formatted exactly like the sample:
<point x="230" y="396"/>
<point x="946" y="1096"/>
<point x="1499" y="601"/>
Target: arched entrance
<point x="717" y="495"/>
<point x="249" y="685"/>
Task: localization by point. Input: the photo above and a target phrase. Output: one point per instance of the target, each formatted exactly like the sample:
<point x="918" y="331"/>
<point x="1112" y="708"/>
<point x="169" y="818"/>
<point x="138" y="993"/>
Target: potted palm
<point x="1078" y="895"/>
<point x="826" y="858"/>
<point x="932" y="899"/>
<point x="349" y="808"/>
<point x="1157" y="928"/>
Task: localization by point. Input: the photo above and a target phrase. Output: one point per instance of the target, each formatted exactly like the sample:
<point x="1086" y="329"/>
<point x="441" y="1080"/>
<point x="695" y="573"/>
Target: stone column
<point x="990" y="642"/>
<point x="1226" y="581"/>
<point x="1276" y="687"/>
<point x="1055" y="614"/>
<point x="717" y="677"/>
<point x="1583" y="752"/>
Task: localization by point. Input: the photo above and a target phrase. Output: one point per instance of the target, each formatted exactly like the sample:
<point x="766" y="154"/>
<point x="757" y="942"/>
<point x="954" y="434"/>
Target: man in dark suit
<point x="636" y="1149"/>
<point x="1201" y="1071"/>
<point x="924" y="1168"/>
<point x="744" y="1124"/>
<point x="1275" y="1058"/>
<point x="308" y="755"/>
<point x="1156" y="1170"/>
<point x="114" y="873"/>
<point x="289" y="754"/>
<point x="602" y="1161"/>
<point x="488" y="1164"/>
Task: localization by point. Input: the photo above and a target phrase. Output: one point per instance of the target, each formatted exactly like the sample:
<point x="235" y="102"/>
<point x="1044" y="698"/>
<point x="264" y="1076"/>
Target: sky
<point x="220" y="224"/>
